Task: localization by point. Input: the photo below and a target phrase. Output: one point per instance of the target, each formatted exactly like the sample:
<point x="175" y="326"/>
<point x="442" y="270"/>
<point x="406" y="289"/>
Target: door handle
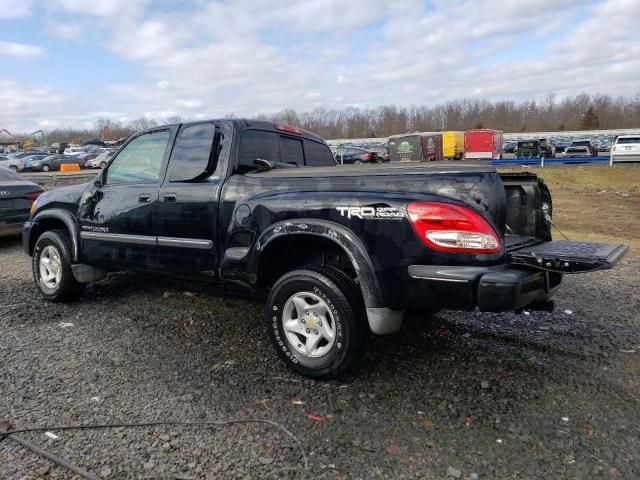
<point x="144" y="197"/>
<point x="169" y="197"/>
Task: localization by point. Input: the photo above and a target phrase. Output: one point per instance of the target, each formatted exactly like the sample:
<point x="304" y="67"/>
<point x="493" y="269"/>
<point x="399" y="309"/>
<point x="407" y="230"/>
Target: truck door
<point x="187" y="219"/>
<point x="117" y="212"/>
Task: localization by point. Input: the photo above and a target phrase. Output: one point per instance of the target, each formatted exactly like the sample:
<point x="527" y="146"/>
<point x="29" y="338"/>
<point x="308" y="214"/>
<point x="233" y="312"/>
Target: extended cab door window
<point x="192" y="153"/>
<point x="140" y="161"/>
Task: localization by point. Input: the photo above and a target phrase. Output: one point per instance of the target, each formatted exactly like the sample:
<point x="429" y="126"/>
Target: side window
<point x="191" y="152"/>
<point x="140" y="161"/>
<point x="317" y="154"/>
<point x="291" y="151"/>
<point x="258" y="144"/>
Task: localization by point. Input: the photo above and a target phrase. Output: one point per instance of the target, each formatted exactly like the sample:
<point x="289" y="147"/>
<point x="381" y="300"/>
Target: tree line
<point x="581" y="112"/>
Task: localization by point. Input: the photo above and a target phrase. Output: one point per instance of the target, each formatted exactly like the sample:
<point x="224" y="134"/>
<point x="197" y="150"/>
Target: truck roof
<point x="245" y="124"/>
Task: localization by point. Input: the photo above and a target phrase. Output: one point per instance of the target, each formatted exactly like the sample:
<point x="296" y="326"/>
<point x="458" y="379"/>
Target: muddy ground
<point x="455" y="395"/>
<point x="502" y="396"/>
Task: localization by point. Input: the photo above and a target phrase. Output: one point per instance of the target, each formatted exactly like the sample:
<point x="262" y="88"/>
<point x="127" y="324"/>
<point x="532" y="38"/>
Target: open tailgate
<point x="567" y="256"/>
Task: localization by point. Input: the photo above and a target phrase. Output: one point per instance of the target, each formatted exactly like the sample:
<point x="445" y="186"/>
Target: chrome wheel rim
<point x="309" y="324"/>
<point x="50" y="267"/>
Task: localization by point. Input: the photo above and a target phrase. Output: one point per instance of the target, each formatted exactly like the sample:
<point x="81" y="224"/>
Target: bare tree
<point x="142" y="123"/>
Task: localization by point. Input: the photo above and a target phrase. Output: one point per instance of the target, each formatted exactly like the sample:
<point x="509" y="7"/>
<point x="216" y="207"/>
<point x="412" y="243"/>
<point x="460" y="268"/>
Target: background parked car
<point x="547" y="147"/>
<point x="626" y="146"/>
<point x="13" y="164"/>
<point x="382" y="151"/>
<point x="560" y="147"/>
<point x="528" y="149"/>
<point x="576" y="152"/>
<point x="509" y="147"/>
<point x="82" y="159"/>
<point x="51" y="162"/>
<point x="100" y="161"/>
<point x="593" y="150"/>
<point x="348" y="155"/>
<point x="74" y="150"/>
<point x="29" y="159"/>
<point x="57" y="147"/>
<point x="16" y="196"/>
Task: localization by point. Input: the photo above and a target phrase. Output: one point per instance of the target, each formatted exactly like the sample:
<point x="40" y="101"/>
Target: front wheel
<point x="103" y="164"/>
<point x="45" y="168"/>
<point x="316" y="321"/>
<point x="13" y="168"/>
<point x="51" y="267"/>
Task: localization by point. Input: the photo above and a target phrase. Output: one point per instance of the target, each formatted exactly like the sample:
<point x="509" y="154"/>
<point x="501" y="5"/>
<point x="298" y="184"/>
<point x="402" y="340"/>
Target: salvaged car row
<point x="480" y="144"/>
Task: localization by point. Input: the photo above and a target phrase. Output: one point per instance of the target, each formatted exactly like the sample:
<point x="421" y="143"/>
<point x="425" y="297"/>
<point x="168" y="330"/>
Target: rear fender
<point x="338" y="234"/>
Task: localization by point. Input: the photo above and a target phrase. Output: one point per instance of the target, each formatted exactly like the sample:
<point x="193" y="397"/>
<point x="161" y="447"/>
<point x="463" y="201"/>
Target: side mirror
<point x="262" y="165"/>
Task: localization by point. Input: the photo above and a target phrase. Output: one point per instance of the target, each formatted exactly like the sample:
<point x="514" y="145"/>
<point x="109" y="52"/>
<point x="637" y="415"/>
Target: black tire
<point x="103" y="164"/>
<point x="46" y="168"/>
<point x="347" y="312"/>
<point x="68" y="288"/>
<point x="13" y="168"/>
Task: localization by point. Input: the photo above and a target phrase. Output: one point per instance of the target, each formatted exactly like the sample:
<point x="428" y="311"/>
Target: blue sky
<point x="69" y="62"/>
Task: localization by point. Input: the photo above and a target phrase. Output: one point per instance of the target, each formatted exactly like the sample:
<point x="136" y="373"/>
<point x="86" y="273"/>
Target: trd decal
<point x="372" y="213"/>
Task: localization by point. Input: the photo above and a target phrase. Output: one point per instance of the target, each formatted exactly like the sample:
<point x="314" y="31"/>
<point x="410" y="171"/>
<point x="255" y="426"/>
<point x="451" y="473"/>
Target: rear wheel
<point x="13" y="168"/>
<point x="316" y="321"/>
<point x="103" y="164"/>
<point x="51" y="267"/>
<point x="46" y="168"/>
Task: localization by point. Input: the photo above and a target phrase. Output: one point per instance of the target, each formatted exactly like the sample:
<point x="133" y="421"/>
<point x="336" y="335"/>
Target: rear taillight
<point x="33" y="195"/>
<point x="452" y="228"/>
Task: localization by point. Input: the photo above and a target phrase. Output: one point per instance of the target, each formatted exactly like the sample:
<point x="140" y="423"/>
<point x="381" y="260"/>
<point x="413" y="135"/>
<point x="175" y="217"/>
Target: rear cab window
<point x="277" y="147"/>
<point x="317" y="154"/>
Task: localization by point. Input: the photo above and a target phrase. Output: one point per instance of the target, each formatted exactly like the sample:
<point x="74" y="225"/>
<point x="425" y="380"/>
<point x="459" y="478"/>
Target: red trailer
<point x="482" y="143"/>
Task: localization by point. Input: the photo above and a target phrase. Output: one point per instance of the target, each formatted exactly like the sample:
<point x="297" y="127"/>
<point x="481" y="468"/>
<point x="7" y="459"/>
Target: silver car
<point x="13" y="164"/>
<point x="100" y="161"/>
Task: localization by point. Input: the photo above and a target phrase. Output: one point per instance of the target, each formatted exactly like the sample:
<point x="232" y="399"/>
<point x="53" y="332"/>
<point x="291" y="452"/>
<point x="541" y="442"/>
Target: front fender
<point x="69" y="221"/>
<point x="338" y="234"/>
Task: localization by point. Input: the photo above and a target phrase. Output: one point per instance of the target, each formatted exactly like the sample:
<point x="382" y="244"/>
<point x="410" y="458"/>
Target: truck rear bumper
<point x="492" y="289"/>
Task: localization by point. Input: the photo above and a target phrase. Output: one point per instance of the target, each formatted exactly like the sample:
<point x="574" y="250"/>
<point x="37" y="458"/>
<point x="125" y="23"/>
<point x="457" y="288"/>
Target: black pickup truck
<point x="340" y="251"/>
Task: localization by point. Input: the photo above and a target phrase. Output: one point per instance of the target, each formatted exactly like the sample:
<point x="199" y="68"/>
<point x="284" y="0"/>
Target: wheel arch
<point x="327" y="233"/>
<point x="52" y="219"/>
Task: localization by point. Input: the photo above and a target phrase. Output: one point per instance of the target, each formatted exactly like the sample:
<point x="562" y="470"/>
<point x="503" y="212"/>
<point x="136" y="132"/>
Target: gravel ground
<point x="456" y="395"/>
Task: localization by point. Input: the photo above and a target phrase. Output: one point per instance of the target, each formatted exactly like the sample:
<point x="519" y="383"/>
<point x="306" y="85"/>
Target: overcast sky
<point x="68" y="62"/>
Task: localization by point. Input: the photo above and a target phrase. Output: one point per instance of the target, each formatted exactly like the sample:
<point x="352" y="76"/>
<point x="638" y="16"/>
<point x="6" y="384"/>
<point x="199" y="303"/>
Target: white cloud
<point x="208" y="58"/>
<point x="100" y="8"/>
<point x="15" y="8"/>
<point x="21" y="50"/>
<point x="68" y="31"/>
